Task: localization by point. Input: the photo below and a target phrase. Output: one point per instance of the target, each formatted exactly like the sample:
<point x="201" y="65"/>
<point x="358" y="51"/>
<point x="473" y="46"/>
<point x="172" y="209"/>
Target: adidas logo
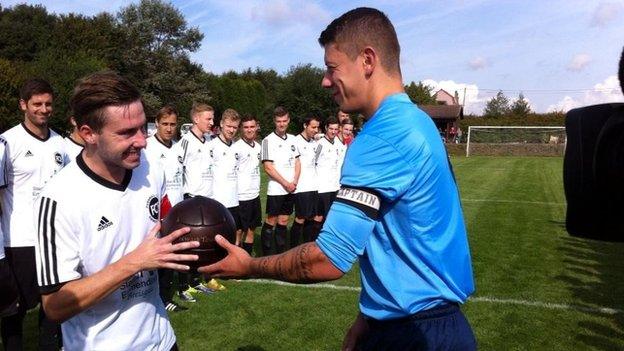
<point x="28" y="153"/>
<point x="104" y="223"/>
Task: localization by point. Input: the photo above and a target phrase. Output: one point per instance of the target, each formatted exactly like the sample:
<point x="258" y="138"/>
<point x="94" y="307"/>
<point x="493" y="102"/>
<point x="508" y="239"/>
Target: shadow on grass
<point x="250" y="348"/>
<point x="594" y="273"/>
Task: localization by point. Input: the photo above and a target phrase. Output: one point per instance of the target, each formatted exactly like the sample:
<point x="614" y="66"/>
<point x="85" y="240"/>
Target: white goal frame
<point x="511" y="127"/>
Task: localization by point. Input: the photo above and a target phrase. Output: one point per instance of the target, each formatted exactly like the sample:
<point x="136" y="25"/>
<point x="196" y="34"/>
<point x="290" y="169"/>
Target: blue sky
<point x="560" y="54"/>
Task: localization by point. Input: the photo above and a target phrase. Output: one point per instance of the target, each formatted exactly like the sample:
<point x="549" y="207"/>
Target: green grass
<point x="523" y="260"/>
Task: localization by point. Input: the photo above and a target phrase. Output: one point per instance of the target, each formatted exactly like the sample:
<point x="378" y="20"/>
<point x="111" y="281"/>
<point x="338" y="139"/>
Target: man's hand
<point x="237" y="264"/>
<point x="155" y="252"/>
<point x="357" y="330"/>
<point x="291" y="187"/>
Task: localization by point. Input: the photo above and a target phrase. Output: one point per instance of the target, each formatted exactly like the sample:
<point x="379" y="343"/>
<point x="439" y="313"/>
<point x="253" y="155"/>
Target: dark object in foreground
<point x="593" y="172"/>
<point x="206" y="218"/>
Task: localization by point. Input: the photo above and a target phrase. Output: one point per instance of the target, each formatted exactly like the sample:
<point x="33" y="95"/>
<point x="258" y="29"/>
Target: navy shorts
<point x="250" y="213"/>
<point x="325" y="201"/>
<point x="305" y="204"/>
<point x="24" y="268"/>
<point x="9" y="296"/>
<point x="441" y="328"/>
<point x="280" y="204"/>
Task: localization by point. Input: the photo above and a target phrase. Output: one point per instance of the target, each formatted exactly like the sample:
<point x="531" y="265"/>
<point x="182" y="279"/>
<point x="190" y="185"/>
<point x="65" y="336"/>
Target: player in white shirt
<point x="35" y="154"/>
<point x="328" y="168"/>
<point x="281" y="163"/>
<point x="157" y="150"/>
<point x="248" y="152"/>
<point x="97" y="259"/>
<point x="306" y="195"/>
<point x="346" y="130"/>
<point x="192" y="156"/>
<point x="73" y="142"/>
<point x="9" y="298"/>
<point x="225" y="183"/>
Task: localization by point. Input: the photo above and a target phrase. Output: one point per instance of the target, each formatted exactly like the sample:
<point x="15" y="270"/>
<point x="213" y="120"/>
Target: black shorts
<point x="280" y="204"/>
<point x="324" y="203"/>
<point x="234" y="211"/>
<point x="250" y="214"/>
<point x="24" y="267"/>
<point x="9" y="296"/>
<point x="305" y="204"/>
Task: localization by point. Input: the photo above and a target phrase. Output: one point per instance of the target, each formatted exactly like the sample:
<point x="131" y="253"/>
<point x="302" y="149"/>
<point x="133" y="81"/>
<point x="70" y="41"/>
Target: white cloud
<point x="607" y="91"/>
<point x="605" y="12"/>
<point x="478" y="63"/>
<point x="473" y="102"/>
<point x="579" y="62"/>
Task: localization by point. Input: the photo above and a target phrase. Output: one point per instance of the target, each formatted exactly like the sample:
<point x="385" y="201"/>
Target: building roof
<point x="443" y="111"/>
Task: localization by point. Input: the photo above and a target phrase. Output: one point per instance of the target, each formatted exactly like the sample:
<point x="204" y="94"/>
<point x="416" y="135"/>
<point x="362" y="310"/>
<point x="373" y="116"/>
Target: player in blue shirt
<point x="398" y="209"/>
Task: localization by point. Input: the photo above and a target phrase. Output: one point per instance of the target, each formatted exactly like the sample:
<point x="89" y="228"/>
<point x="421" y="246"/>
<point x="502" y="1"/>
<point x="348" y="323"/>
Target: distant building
<point x="445" y="114"/>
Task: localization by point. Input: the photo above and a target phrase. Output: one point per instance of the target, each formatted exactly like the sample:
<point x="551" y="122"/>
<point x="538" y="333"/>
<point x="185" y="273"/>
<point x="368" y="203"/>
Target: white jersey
<point x="327" y="165"/>
<point x="307" y="156"/>
<point x="342" y="152"/>
<point x="3" y="184"/>
<point x="31" y="163"/>
<point x="248" y="169"/>
<point x="193" y="156"/>
<point x="224" y="184"/>
<point x="85" y="224"/>
<point x="72" y="148"/>
<point x="159" y="155"/>
<point x="283" y="153"/>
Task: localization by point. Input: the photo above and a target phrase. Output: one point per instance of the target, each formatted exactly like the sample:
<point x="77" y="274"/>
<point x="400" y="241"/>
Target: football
<point x="206" y="218"/>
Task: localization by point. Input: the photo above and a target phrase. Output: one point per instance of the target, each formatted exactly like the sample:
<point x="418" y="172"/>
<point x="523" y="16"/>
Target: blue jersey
<point x="398" y="211"/>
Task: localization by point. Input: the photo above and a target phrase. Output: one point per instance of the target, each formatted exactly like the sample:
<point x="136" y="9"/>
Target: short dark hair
<point x="166" y="110"/>
<point x="96" y="92"/>
<point x="311" y="117"/>
<point x="331" y="120"/>
<point x="35" y="86"/>
<point x="621" y="71"/>
<point x="362" y="27"/>
<point x="346" y="120"/>
<point x="280" y="111"/>
<point x="248" y="117"/>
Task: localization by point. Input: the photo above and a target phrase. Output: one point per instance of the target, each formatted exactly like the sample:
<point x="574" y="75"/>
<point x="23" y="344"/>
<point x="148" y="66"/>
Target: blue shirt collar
<point x="399" y="97"/>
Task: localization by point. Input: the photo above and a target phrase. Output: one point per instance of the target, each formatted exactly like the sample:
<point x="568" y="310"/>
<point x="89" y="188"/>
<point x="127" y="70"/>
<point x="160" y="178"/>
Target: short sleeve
<point x="267" y="153"/>
<point x="373" y="163"/>
<point x="4" y="159"/>
<point x="57" y="252"/>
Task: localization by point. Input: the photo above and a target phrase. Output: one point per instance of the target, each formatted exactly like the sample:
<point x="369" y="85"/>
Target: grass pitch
<point x="537" y="287"/>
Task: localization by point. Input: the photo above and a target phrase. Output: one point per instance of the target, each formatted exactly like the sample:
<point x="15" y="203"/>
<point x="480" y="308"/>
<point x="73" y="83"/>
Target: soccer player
<point x="192" y="157"/>
<point x="328" y="169"/>
<point x="281" y="162"/>
<point x="35" y="153"/>
<point x="306" y="195"/>
<point x="97" y="259"/>
<point x="156" y="151"/>
<point x="248" y="153"/>
<point x="346" y="131"/>
<point x="225" y="183"/>
<point x="398" y="210"/>
<point x="73" y="142"/>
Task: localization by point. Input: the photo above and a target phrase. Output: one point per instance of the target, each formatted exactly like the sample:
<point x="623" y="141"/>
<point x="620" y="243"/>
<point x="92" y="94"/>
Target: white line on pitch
<point x="547" y="305"/>
<point x="515" y="202"/>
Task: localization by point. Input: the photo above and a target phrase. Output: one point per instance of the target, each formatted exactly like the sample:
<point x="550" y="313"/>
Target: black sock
<point x="308" y="227"/>
<point x="280" y="238"/>
<point x="296" y="231"/>
<point x="266" y="239"/>
<point x="248" y="247"/>
<point x="12" y="330"/>
<point x="316" y="229"/>
<point x="49" y="333"/>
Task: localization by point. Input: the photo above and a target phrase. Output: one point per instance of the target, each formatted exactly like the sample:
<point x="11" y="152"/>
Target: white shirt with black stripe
<point x="307" y="156"/>
<point x="283" y="153"/>
<point x="85" y="224"/>
<point x="327" y="165"/>
<point x="194" y="157"/>
<point x="224" y="184"/>
<point x="248" y="169"/>
<point x="3" y="183"/>
<point x="160" y="155"/>
<point x="342" y="152"/>
<point x="72" y="148"/>
<point x="32" y="162"/>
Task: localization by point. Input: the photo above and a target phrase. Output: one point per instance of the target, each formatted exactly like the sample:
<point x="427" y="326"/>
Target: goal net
<point x="515" y="141"/>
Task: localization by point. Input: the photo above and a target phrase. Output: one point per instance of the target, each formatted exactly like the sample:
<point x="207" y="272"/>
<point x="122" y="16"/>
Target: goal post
<point x="516" y="141"/>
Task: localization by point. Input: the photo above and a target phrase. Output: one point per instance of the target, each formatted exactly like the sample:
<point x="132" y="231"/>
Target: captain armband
<point x="365" y="200"/>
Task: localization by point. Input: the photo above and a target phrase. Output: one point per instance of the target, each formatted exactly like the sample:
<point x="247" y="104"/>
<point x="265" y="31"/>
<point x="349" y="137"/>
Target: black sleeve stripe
<point x="49" y="289"/>
<point x="265" y="150"/>
<point x="44" y="232"/>
<point x="365" y="200"/>
<point x="53" y="242"/>
<point x="185" y="147"/>
<point x="43" y="266"/>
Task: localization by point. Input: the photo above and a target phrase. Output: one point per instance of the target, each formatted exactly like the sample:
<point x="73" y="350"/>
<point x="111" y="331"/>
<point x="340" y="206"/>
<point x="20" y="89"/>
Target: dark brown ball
<point x="206" y="218"/>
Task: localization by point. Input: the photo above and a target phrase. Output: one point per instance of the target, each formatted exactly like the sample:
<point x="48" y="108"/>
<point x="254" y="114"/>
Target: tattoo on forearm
<point x="294" y="265"/>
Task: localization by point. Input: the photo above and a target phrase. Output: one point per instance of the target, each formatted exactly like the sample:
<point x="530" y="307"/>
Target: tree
<point x="24" y="31"/>
<point x="420" y="93"/>
<point x="520" y="107"/>
<point x="497" y="106"/>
